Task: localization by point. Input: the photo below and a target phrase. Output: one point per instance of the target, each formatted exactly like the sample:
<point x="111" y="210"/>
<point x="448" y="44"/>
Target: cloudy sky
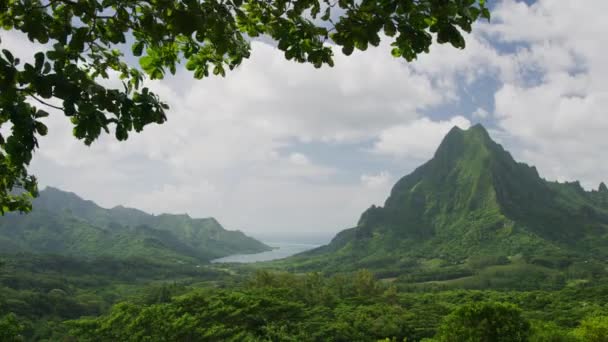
<point x="279" y="148"/>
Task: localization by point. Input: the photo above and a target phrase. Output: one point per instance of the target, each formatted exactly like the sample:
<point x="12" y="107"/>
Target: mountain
<point x="63" y="223"/>
<point x="471" y="206"/>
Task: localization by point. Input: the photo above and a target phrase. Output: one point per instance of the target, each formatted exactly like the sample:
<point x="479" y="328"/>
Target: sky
<point x="278" y="148"/>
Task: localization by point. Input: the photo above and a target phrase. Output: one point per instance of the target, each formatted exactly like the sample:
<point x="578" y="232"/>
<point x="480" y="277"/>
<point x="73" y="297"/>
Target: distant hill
<point x="472" y="207"/>
<point x="63" y="223"/>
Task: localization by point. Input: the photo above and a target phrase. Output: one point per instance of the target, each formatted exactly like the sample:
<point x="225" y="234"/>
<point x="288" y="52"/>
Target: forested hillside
<point x="472" y="216"/>
<point x="63" y="223"/>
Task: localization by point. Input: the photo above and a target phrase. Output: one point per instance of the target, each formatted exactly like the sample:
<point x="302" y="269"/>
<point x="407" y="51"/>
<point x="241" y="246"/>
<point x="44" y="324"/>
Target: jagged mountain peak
<point x="473" y="198"/>
<point x="467" y="142"/>
<point x="477" y="129"/>
<point x="466" y="161"/>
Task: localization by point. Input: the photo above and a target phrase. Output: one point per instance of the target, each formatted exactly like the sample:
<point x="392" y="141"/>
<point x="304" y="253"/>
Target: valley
<point x="471" y="229"/>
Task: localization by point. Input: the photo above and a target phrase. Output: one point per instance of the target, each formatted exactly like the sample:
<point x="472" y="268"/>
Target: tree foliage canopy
<point x="485" y="322"/>
<point x="54" y="298"/>
<point x="593" y="329"/>
<point x="83" y="40"/>
<point x="10" y="329"/>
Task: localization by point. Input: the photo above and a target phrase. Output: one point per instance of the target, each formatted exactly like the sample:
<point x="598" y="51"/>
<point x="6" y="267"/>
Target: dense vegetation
<point x="63" y="223"/>
<point x="286" y="307"/>
<point x="42" y="291"/>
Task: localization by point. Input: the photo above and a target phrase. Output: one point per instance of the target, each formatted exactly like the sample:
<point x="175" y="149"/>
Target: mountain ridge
<point x="64" y="223"/>
<point x="470" y="200"/>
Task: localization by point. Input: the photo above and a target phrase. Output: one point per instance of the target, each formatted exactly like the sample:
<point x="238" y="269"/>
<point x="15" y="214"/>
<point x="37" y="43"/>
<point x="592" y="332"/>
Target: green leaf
<point x="41" y="128"/>
<point x="138" y="48"/>
<point x="147" y="63"/>
<point x="157" y="74"/>
<point x="39" y="57"/>
<point x="485" y="13"/>
<point x="41" y="114"/>
<point x="78" y="39"/>
<point x="191" y="64"/>
<point x="327" y="14"/>
<point x="8" y="55"/>
<point x="219" y="70"/>
<point x="389" y="28"/>
<point x="348" y="49"/>
<point x="199" y="73"/>
<point x="361" y="45"/>
<point x="44" y="87"/>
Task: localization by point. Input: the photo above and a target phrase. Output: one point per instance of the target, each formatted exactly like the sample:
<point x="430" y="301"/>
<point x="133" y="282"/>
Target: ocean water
<point x="281" y="250"/>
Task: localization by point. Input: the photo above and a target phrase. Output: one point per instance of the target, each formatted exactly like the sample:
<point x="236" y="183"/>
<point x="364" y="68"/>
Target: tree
<point x="550" y="332"/>
<point x="593" y="329"/>
<point x="484" y="322"/>
<point x="10" y="328"/>
<point x="83" y="36"/>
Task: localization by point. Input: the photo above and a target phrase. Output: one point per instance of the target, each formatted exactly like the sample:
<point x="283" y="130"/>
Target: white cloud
<point x="480" y="113"/>
<point x="558" y="120"/>
<point x="418" y="139"/>
<point x="299" y="159"/>
<point x="381" y="179"/>
<point x="479" y="58"/>
<point x="223" y="150"/>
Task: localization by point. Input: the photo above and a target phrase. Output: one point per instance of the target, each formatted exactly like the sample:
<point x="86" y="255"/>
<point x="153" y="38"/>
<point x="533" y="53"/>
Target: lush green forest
<point x="472" y="246"/>
<point x="66" y="303"/>
<point x="42" y="291"/>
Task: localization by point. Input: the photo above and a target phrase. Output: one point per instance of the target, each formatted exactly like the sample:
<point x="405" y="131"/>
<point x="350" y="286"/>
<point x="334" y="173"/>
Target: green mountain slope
<point x="63" y="223"/>
<point x="471" y="203"/>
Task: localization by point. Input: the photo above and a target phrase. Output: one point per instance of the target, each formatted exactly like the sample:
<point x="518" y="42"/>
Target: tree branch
<point x="44" y="102"/>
